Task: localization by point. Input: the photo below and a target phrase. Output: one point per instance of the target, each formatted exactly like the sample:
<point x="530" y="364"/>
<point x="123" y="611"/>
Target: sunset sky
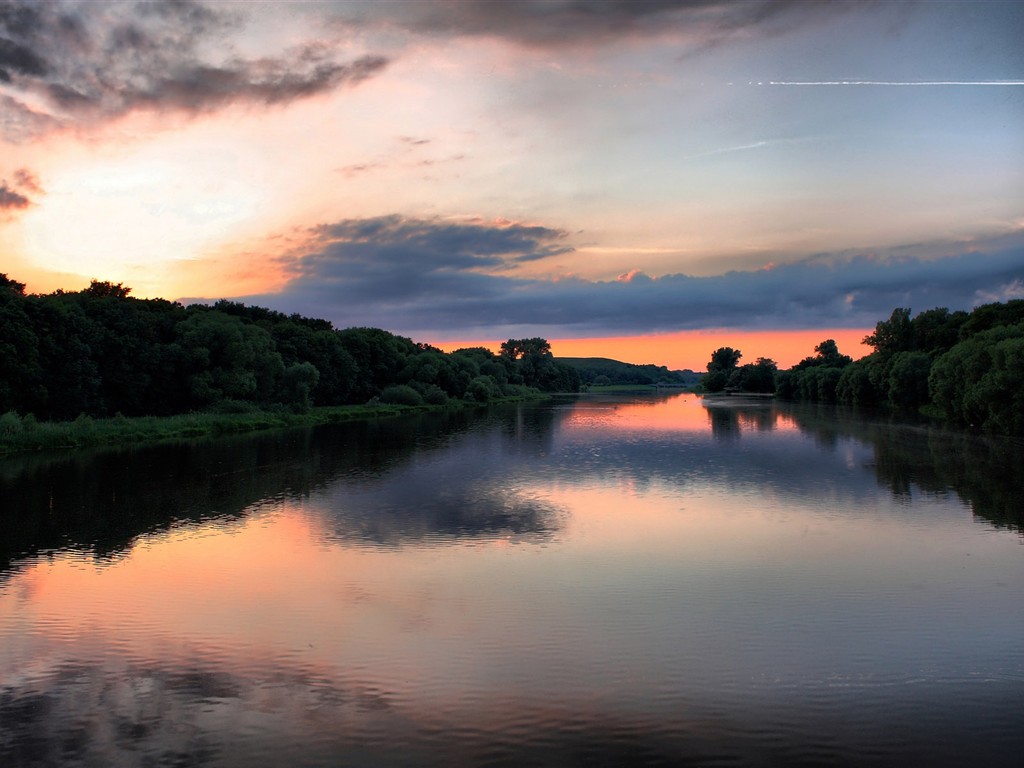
<point x="680" y="175"/>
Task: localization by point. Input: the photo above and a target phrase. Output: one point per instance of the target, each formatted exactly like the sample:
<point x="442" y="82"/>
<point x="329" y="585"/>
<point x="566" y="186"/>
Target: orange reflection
<point x="682" y="412"/>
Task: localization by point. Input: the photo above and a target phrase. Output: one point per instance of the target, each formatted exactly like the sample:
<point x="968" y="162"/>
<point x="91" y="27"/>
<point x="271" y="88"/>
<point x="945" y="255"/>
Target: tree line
<point x="602" y="371"/>
<point x="965" y="367"/>
<point x="100" y="352"/>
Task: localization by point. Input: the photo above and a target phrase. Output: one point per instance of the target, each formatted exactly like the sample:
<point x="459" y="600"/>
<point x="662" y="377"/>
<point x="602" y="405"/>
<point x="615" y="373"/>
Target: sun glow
<point x="111" y="218"/>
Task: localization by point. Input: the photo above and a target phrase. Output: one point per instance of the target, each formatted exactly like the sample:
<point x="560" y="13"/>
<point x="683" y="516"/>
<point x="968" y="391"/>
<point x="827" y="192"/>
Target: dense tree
<point x="226" y="359"/>
<point x="297" y="384"/>
<point x="379" y="357"/>
<point x="936" y="330"/>
<point x="70" y="382"/>
<point x="855" y="385"/>
<point x="893" y="335"/>
<point x="815" y="378"/>
<point x="535" y="366"/>
<point x="99" y="352"/>
<point x="20" y="371"/>
<point x="988" y="316"/>
<point x="601" y="371"/>
<point x="758" y="376"/>
<point x="908" y="379"/>
<point x="517" y="349"/>
<point x="106" y="290"/>
<point x="980" y="381"/>
<point x="723" y="362"/>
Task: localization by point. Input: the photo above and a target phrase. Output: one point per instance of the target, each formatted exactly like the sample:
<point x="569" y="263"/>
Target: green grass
<point x="23" y="433"/>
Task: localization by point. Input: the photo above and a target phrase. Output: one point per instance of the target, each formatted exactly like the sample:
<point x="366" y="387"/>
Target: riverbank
<point x="20" y="434"/>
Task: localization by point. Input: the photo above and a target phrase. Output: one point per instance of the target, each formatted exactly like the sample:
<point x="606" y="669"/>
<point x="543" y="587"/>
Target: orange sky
<point x="692" y="349"/>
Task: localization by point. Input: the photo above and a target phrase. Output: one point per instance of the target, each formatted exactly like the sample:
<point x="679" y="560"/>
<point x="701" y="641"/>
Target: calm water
<point x="589" y="582"/>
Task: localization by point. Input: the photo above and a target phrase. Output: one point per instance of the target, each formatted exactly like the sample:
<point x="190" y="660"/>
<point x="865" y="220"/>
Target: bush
<point x="908" y="379"/>
<point x="10" y="424"/>
<point x="854" y="387"/>
<point x="434" y="395"/>
<point x="482" y="389"/>
<point x="980" y="381"/>
<point x="401" y="394"/>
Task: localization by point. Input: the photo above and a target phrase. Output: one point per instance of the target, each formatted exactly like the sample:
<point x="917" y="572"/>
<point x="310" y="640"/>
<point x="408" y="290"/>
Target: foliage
<point x="100" y="352"/>
<point x="754" y="377"/>
<point x="892" y="335"/>
<point x="723" y="362"/>
<point x="535" y="366"/>
<point x="980" y="381"/>
<point x="966" y="367"/>
<point x="908" y="380"/>
<point x="401" y="394"/>
<point x="602" y="371"/>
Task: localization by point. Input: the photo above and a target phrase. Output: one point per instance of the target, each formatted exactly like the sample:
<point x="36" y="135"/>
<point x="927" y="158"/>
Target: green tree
<point x="854" y="386"/>
<point x="226" y="359"/>
<point x="980" y="381"/>
<point x="379" y="357"/>
<point x="908" y="379"/>
<point x="297" y="384"/>
<point x="754" y="377"/>
<point x="516" y="349"/>
<point x="936" y="330"/>
<point x="723" y="362"/>
<point x="893" y="335"/>
<point x="21" y="387"/>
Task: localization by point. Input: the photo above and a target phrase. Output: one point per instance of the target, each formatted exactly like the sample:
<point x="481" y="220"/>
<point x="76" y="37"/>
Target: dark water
<point x="645" y="581"/>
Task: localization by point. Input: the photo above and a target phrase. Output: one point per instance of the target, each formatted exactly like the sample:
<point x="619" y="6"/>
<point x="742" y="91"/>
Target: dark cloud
<point x="10" y="199"/>
<point x="94" y="61"/>
<point x="434" y="277"/>
<point x="12" y="195"/>
<point x="17" y="59"/>
<point x="550" y="23"/>
<point x="427" y="246"/>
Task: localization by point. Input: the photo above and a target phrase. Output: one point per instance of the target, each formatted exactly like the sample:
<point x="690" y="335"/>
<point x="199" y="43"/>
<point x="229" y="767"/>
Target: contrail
<point x="894" y="82"/>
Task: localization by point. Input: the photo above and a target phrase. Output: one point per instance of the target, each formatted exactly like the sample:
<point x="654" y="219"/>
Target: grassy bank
<point x="23" y="433"/>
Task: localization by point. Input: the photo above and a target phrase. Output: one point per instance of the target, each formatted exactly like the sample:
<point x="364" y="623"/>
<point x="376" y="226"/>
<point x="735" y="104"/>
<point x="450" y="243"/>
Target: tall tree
<point x="893" y="335"/>
<point x="723" y="362"/>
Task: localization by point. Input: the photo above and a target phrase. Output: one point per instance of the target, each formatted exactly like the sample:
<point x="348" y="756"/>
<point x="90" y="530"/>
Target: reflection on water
<point x="985" y="471"/>
<point x="591" y="581"/>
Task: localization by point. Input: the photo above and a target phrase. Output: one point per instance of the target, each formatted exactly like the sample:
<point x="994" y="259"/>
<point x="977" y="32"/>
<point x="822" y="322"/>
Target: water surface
<point x="645" y="580"/>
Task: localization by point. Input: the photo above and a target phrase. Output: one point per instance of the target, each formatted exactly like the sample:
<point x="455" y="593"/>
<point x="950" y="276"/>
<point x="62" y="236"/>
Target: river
<point x="596" y="580"/>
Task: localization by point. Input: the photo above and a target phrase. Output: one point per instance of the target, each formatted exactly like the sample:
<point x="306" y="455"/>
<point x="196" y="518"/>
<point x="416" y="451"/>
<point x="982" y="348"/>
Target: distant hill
<point x="603" y="370"/>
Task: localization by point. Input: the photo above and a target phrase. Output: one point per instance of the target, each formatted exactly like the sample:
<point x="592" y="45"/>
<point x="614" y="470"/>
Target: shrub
<point x="434" y="395"/>
<point x="10" y="424"/>
<point x="482" y="389"/>
<point x="401" y="394"/>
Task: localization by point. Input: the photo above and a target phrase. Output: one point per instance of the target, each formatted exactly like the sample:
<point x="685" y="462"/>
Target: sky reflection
<point x="539" y="584"/>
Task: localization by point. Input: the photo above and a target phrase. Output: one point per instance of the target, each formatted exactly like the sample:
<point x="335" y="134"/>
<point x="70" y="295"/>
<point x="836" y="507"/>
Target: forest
<point x="603" y="372"/>
<point x="100" y="352"/>
<point x="964" y="367"/>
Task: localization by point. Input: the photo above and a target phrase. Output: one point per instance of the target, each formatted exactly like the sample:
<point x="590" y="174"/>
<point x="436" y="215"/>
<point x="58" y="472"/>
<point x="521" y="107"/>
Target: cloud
<point x="560" y="23"/>
<point x="11" y="194"/>
<point x="25" y="179"/>
<point x="10" y="199"/>
<point x="456" y="279"/>
<point x="80" y="62"/>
